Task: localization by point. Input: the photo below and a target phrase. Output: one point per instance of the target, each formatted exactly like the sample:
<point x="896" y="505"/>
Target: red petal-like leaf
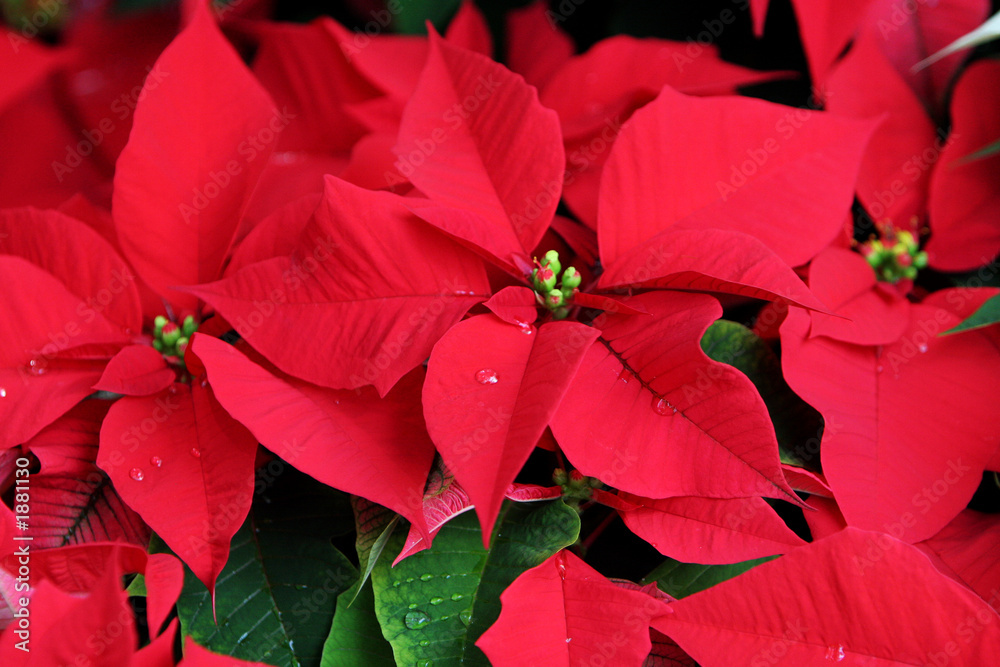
<point x="636" y="417"/>
<point x="536" y="48"/>
<point x="514" y="305"/>
<point x="474" y="136"/>
<point x="873" y="428"/>
<point x="845" y="282"/>
<point x="186" y="466"/>
<point x="710" y="530"/>
<point x="441" y="504"/>
<point x="200" y="138"/>
<point x="55" y="242"/>
<point x="826" y="28"/>
<point x="375" y="284"/>
<point x="137" y="370"/>
<point x="575" y="615"/>
<point x="72" y="501"/>
<point x="491" y="390"/>
<point x="856" y="597"/>
<point x="671" y="166"/>
<point x="964" y="192"/>
<point x="468" y="30"/>
<point x="710" y="260"/>
<point x="349" y="440"/>
<point x="966" y="550"/>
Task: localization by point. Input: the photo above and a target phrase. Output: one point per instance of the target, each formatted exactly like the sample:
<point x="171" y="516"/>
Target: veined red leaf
<point x="474" y="136"/>
<point x="491" y="390"/>
<point x="832" y="601"/>
<point x="349" y="440"/>
<point x="40" y="318"/>
<point x="275" y="235"/>
<point x="574" y="614"/>
<point x="965" y="550"/>
<point x="963" y="197"/>
<point x="636" y="418"/>
<point x="444" y="499"/>
<point x="515" y="305"/>
<point x="377" y="285"/>
<point x="72" y="501"/>
<point x="872" y="428"/>
<point x="709" y="260"/>
<point x="186" y="466"/>
<point x="868" y="314"/>
<point x="710" y="530"/>
<point x="137" y="370"/>
<point x="803" y="480"/>
<point x="55" y="242"/>
<point x="200" y="138"/>
<point x="536" y="49"/>
<point x="671" y="166"/>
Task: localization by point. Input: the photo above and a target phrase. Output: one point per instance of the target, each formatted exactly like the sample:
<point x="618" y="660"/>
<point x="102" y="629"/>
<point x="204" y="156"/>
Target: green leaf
<point x="409" y="16"/>
<point x="356" y="638"/>
<point x="682" y="579"/>
<point x="988" y="313"/>
<point x="796" y="424"/>
<point x="275" y="598"/>
<point x="137" y="587"/>
<point x="375" y="525"/>
<point x="436" y="603"/>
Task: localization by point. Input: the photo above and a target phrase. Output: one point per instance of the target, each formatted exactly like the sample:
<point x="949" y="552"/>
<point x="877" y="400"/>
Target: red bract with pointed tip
<point x="840" y="599"/>
<point x="576" y="616"/>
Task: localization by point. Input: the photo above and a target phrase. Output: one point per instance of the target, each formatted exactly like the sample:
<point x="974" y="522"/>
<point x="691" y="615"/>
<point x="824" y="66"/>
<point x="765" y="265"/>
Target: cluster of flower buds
<point x="171" y="339"/>
<point x="552" y="294"/>
<point x="895" y="257"/>
<point x="575" y="485"/>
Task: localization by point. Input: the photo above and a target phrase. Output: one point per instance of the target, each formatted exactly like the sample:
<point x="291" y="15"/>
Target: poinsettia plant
<point x="361" y="340"/>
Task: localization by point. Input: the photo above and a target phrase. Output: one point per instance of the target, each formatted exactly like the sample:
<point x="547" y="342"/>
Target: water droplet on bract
<point x="173" y="389"/>
<point x="562" y="570"/>
<point x="661" y="406"/>
<point x="426" y="577"/>
<point x="878" y="369"/>
<point x="416" y="619"/>
<point x="204" y="383"/>
<point x="155" y="461"/>
<point x="136" y="474"/>
<point x="457" y="596"/>
<point x="195" y="452"/>
<point x="569" y="639"/>
<point x="466" y="617"/>
<point x="35" y="367"/>
<point x="487" y="376"/>
<point x="436" y="601"/>
<point x="922" y="347"/>
<point x="3" y="393"/>
<point x="835" y="653"/>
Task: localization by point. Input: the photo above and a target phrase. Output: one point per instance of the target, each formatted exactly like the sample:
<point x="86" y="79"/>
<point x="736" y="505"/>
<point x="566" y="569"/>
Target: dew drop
<point x="155" y="461"/>
<point x="835" y="653"/>
<point x="569" y="639"/>
<point x="487" y="376"/>
<point x="416" y="619"/>
<point x="397" y="584"/>
<point x="878" y="369"/>
<point x="410" y="580"/>
<point x="35" y="367"/>
<point x="457" y="596"/>
<point x="412" y="605"/>
<point x="3" y="393"/>
<point x="204" y="383"/>
<point x="922" y="347"/>
<point x="562" y="570"/>
<point x="466" y="617"/>
<point x="426" y="577"/>
<point x="436" y="601"/>
<point x="173" y="389"/>
<point x="195" y="452"/>
<point x="661" y="406"/>
<point x="136" y="474"/>
<point x="424" y="663"/>
<point x="424" y="642"/>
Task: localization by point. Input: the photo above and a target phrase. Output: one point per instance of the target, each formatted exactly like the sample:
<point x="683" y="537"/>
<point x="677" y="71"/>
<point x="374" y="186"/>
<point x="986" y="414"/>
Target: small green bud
<point x="551" y="260"/>
<point x="920" y="260"/>
<point x="554" y="299"/>
<point x="559" y="476"/>
<point x="182" y="342"/>
<point x="170" y="334"/>
<point x="544" y="279"/>
<point x="158" y="323"/>
<point x="158" y="345"/>
<point x="571" y="278"/>
<point x="560" y="313"/>
<point x="189" y="326"/>
<point x="910" y="272"/>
